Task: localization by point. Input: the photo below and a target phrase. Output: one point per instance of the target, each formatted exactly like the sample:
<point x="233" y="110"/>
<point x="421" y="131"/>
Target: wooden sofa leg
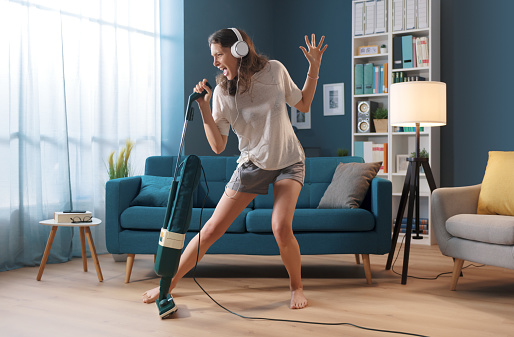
<point x="367" y="267"/>
<point x="457" y="268"/>
<point x="357" y="259"/>
<point x="128" y="267"/>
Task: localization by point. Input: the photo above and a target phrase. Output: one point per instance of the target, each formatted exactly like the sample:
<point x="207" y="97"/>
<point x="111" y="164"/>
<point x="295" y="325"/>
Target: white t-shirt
<point x="260" y="119"/>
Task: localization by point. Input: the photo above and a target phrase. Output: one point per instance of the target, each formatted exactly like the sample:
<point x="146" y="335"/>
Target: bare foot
<point x="151" y="295"/>
<point x="298" y="300"/>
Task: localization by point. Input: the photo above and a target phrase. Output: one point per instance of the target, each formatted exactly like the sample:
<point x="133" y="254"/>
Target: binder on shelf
<point x="359" y="79"/>
<point x="368" y="152"/>
<point x="407" y="51"/>
<point x="358" y="20"/>
<point x="397" y="15"/>
<point x="381" y="21"/>
<point x="358" y="149"/>
<point x="364" y="149"/>
<point x="422" y="14"/>
<point x="368" y="78"/>
<point x="397" y="52"/>
<point x="410" y="14"/>
<point x="369" y="23"/>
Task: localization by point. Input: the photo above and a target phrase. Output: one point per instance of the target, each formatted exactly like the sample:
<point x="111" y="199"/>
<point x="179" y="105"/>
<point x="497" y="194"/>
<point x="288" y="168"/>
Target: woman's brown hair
<point x="249" y="65"/>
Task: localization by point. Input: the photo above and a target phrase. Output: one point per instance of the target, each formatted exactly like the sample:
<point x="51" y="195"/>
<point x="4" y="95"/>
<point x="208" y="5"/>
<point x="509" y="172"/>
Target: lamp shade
<point x="422" y="102"/>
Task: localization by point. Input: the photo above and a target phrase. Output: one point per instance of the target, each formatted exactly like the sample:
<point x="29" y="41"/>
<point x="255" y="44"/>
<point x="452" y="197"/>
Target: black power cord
<point x="427" y="278"/>
<point x="275" y="319"/>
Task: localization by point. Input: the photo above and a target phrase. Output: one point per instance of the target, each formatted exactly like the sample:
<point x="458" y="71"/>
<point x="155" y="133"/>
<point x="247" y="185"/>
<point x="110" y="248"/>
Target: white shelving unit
<point x="401" y="143"/>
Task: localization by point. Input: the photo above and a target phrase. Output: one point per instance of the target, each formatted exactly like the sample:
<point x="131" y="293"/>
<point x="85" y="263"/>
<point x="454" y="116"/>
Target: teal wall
<point x="475" y="55"/>
<point x="277" y="29"/>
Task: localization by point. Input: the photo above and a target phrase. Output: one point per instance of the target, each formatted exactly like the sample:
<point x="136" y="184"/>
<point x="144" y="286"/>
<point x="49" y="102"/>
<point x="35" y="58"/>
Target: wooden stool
<point x="83" y="227"/>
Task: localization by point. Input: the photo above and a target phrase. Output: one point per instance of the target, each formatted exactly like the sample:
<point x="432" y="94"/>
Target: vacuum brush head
<point x="166" y="306"/>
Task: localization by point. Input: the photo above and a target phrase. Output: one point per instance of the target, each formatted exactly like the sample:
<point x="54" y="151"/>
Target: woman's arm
<point x="216" y="140"/>
<point x="313" y="55"/>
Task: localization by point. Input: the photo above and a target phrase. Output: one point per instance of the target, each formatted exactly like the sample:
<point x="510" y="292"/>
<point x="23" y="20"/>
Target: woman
<point x="251" y="96"/>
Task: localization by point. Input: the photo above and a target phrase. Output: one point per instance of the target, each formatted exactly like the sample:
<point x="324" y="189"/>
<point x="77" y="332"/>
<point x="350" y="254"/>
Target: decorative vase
<point x="380" y="125"/>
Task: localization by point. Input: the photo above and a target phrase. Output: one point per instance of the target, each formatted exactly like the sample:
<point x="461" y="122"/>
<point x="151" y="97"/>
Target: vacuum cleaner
<point x="177" y="218"/>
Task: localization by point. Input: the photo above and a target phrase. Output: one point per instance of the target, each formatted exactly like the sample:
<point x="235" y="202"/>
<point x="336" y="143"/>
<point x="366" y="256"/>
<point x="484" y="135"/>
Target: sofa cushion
<point x="143" y="217"/>
<point x="497" y="190"/>
<point x="154" y="191"/>
<point x="349" y="185"/>
<point x="152" y="218"/>
<point x="315" y="220"/>
<point x="238" y="226"/>
<point x="495" y="229"/>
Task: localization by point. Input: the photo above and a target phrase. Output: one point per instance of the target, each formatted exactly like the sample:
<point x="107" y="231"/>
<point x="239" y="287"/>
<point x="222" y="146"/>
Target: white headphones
<point x="240" y="48"/>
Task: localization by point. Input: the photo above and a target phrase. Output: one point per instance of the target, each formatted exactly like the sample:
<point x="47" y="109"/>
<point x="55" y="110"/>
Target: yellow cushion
<point x="497" y="192"/>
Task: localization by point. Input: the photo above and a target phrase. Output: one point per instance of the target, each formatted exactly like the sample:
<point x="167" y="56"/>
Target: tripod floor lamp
<point x="416" y="104"/>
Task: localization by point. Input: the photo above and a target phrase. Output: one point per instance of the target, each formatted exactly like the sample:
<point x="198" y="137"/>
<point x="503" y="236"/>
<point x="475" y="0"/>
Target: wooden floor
<point x="69" y="302"/>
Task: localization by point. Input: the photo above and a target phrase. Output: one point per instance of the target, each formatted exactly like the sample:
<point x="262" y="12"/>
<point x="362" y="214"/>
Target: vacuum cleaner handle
<point x="194" y="96"/>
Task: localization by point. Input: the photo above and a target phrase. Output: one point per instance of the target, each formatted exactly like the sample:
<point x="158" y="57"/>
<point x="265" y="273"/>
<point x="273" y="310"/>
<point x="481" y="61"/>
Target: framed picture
<point x="333" y="99"/>
<point x="302" y="120"/>
<point x="401" y="163"/>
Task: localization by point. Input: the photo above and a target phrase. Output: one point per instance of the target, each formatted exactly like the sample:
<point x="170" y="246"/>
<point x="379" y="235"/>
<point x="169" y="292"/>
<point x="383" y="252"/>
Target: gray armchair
<point x="467" y="236"/>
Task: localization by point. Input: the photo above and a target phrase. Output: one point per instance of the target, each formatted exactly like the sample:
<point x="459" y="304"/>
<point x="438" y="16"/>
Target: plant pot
<point x="383" y="50"/>
<point x="380" y="125"/>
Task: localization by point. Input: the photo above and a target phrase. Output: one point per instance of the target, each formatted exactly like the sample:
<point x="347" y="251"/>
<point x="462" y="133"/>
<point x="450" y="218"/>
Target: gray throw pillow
<point x="349" y="185"/>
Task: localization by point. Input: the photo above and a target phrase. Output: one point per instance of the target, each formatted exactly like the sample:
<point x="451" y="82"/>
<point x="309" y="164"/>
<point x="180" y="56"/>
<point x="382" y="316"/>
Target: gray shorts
<point x="249" y="178"/>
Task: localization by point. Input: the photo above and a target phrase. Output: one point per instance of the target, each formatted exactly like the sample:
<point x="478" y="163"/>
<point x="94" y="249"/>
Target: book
<point x="422" y="221"/>
<point x="378" y="155"/>
<point x="424" y="51"/>
<point x="381" y="79"/>
<point x="386" y="156"/>
<point x="376" y="79"/>
<point x="386" y="79"/>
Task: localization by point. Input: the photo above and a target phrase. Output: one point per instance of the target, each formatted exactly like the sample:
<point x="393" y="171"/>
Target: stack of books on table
<point x="70" y="217"/>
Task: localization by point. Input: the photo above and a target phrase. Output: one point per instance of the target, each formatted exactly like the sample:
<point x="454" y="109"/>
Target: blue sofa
<point x="366" y="230"/>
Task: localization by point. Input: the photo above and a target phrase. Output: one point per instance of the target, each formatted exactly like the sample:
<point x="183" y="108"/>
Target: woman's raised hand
<point x="314" y="53"/>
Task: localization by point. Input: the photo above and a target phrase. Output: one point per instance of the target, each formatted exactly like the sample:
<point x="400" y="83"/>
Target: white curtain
<point x="77" y="78"/>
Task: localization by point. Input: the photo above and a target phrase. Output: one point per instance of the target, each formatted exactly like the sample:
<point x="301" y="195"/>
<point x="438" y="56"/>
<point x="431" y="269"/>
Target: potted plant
<point x="383" y="49"/>
<point x="380" y="119"/>
<point x="422" y="154"/>
<point x="342" y="152"/>
<point x="121" y="167"/>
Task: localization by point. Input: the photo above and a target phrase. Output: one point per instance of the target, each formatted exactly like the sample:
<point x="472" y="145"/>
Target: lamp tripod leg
<point x="399" y="217"/>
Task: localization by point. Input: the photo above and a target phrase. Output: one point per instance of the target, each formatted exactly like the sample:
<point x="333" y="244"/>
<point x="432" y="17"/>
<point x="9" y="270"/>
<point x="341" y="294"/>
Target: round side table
<point x="83" y="228"/>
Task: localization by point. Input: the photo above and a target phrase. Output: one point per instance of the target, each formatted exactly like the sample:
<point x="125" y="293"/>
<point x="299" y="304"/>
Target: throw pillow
<point x="497" y="191"/>
<point x="349" y="185"/>
<point x="154" y="191"/>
